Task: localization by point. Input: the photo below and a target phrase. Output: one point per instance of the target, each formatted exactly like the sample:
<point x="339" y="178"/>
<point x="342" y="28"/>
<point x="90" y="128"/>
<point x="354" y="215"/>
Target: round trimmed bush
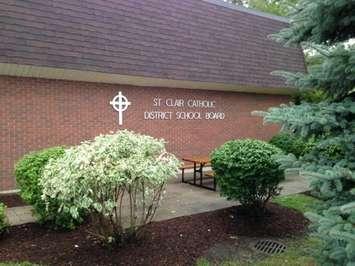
<point x="246" y="171"/>
<point x="28" y="172"/>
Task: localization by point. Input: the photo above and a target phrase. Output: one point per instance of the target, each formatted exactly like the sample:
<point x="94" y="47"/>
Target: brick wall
<point x="39" y="113"/>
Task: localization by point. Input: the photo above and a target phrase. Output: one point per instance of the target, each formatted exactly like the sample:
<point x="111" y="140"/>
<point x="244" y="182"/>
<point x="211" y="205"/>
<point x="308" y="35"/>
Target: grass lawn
<point x="299" y="202"/>
<point x="297" y="254"/>
<point x="299" y="251"/>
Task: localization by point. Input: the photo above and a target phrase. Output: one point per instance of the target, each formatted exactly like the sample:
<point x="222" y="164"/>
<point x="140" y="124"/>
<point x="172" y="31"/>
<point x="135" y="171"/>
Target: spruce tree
<point x="326" y="25"/>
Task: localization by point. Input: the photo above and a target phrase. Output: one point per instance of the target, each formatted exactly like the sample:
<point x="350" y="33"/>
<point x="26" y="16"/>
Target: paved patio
<point x="180" y="200"/>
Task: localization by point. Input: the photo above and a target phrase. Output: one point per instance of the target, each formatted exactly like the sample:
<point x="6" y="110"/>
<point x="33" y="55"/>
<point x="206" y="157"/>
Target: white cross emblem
<point x="120" y="104"/>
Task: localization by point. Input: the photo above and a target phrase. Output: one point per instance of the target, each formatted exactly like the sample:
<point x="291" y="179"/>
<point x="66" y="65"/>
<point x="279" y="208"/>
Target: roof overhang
<point x="99" y="77"/>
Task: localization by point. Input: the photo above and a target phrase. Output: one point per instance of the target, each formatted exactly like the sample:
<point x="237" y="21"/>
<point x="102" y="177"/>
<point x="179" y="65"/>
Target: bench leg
<point x="183" y="175"/>
<point x="201" y="173"/>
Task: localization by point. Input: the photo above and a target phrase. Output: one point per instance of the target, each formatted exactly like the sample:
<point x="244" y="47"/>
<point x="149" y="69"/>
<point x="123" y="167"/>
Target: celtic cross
<point x="120" y="104"/>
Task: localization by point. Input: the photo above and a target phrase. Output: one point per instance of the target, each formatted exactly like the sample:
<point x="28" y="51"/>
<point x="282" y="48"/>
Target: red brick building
<point x="192" y="70"/>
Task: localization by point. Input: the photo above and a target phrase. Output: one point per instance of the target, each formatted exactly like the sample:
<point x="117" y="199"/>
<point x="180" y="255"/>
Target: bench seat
<point x="186" y="166"/>
<point x="210" y="174"/>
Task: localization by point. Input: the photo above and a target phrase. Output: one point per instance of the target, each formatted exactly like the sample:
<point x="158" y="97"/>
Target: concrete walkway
<point x="180" y="200"/>
<point x="20" y="215"/>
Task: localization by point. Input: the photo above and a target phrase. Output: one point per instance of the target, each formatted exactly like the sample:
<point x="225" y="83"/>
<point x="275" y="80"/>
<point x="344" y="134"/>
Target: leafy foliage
<point x="310" y="96"/>
<point x="3" y="222"/>
<point x="330" y="165"/>
<point x="236" y="2"/>
<point x="276" y="7"/>
<point x="28" y="173"/>
<point x="119" y="179"/>
<point x="246" y="171"/>
<point x="291" y="144"/>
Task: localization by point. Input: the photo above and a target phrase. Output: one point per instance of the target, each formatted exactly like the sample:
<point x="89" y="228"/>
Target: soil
<point x="178" y="241"/>
<point x="12" y="200"/>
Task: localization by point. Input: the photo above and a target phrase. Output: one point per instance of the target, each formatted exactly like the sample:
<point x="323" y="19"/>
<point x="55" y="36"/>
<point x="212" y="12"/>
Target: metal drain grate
<point x="269" y="246"/>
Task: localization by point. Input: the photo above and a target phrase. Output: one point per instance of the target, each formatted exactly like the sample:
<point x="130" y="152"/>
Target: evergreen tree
<point x="326" y="25"/>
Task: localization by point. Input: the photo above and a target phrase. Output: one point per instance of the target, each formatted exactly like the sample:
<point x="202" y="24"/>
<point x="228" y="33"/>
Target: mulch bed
<point x="178" y="241"/>
<point x="12" y="200"/>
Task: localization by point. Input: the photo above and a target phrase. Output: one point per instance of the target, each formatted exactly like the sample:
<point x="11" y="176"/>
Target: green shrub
<point x="119" y="179"/>
<point x="3" y="222"/>
<point x="330" y="152"/>
<point x="28" y="173"/>
<point x="310" y="96"/>
<point x="291" y="144"/>
<point x="246" y="171"/>
<point x="298" y="146"/>
<point x="284" y="141"/>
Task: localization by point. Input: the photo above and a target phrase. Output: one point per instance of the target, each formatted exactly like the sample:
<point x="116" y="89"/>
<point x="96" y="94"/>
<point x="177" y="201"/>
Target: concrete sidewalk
<point x="20" y="215"/>
<point x="180" y="200"/>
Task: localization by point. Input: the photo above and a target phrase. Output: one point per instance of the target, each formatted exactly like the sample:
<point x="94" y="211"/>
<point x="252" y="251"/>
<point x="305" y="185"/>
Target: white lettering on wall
<point x="206" y="112"/>
<point x="156" y="115"/>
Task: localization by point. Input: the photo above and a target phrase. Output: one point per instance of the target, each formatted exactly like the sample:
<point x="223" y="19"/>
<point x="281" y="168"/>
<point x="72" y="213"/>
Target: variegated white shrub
<point x="118" y="178"/>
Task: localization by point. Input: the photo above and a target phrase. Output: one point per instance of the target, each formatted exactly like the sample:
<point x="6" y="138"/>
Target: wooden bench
<point x="184" y="167"/>
<point x="211" y="174"/>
